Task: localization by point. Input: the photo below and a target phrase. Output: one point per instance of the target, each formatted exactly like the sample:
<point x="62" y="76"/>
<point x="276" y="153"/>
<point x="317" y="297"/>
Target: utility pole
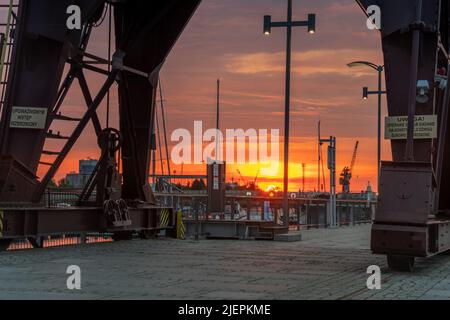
<point x="218" y="153"/>
<point x="218" y="106"/>
<point x="319" y="157"/>
<point x="163" y="118"/>
<point x="303" y="180"/>
<point x="287" y="115"/>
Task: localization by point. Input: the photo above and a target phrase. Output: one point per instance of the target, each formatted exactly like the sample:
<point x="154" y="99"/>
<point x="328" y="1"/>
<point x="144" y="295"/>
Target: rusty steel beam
<point x="37" y="222"/>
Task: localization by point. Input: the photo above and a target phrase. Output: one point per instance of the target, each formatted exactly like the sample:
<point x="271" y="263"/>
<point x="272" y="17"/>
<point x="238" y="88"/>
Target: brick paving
<point x="327" y="264"/>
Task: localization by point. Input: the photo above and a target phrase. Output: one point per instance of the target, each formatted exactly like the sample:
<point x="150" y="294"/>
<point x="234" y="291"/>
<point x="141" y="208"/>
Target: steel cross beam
<point x="75" y="71"/>
<point x="75" y="135"/>
<point x="88" y="98"/>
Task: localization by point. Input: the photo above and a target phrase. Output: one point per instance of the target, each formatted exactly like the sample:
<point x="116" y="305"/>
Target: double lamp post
<point x="311" y="27"/>
<point x="289" y="24"/>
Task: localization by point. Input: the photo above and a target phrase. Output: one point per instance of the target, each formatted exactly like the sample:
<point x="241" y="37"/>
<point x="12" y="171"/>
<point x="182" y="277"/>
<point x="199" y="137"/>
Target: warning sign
<point x="28" y="118"/>
<point x="425" y="127"/>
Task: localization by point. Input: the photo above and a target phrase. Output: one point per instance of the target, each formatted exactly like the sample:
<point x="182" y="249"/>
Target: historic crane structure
<point x="347" y="172"/>
<point x="413" y="216"/>
<point x="45" y="59"/>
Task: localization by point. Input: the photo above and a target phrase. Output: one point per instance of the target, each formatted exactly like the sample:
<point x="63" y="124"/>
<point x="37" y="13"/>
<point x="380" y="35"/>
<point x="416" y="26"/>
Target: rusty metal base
<point x="34" y="223"/>
<point x="403" y="242"/>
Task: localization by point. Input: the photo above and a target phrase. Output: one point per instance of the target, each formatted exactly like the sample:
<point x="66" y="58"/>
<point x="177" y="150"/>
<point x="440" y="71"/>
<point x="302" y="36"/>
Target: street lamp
<point x="268" y="25"/>
<point x="366" y="94"/>
<point x="310" y="23"/>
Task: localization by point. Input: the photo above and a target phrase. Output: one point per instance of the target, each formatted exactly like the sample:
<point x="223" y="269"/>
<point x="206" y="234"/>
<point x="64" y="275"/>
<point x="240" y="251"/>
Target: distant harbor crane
<point x="255" y="181"/>
<point x="347" y="172"/>
<point x="243" y="180"/>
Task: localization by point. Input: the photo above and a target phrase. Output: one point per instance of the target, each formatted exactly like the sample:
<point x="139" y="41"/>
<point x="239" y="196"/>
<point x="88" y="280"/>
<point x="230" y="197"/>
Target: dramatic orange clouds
<point x="225" y="40"/>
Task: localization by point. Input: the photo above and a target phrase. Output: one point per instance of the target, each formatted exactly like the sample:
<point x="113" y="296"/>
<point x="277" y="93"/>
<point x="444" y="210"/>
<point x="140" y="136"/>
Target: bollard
<point x="180" y="226"/>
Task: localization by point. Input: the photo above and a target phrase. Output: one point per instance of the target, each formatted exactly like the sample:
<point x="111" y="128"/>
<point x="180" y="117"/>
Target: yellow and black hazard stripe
<point x="1" y="223"/>
<point x="164" y="218"/>
<point x="181" y="229"/>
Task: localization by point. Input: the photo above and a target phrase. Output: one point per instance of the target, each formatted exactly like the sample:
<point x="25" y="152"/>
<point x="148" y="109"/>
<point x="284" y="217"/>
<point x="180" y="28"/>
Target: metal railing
<point x="304" y="213"/>
<point x="61" y="197"/>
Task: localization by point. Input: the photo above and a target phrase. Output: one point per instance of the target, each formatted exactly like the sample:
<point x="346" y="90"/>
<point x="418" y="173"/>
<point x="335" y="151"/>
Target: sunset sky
<point x="225" y="40"/>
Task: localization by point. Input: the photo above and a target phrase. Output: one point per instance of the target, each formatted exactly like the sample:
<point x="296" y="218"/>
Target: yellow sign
<point x="425" y="127"/>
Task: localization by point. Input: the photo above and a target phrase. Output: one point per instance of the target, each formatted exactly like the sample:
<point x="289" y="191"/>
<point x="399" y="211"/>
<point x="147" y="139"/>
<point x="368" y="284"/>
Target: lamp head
<point x="267" y="25"/>
<point x="365" y="93"/>
<point x="311" y="23"/>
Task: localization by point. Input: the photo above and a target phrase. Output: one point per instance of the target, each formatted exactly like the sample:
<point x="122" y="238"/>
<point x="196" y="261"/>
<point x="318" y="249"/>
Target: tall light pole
<point x="268" y="25"/>
<point x="366" y="94"/>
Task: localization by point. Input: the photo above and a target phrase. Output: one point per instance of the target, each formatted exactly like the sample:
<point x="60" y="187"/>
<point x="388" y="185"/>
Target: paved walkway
<point x="328" y="264"/>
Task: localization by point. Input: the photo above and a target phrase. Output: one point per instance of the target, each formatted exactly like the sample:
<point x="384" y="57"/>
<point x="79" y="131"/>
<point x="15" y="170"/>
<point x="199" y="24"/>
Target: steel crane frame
<point x="145" y="31"/>
<point x="412" y="219"/>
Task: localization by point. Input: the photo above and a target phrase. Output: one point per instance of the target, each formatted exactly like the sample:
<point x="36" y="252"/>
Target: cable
<point x="164" y="125"/>
<point x="105" y="11"/>
<point x="159" y="140"/>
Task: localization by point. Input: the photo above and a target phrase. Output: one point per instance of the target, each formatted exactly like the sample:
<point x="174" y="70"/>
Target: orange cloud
<point x="311" y="62"/>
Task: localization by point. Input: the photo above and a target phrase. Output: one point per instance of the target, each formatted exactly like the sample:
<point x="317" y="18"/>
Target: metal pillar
<point x="332" y="168"/>
<point x="287" y="115"/>
<point x="319" y="157"/>
<point x="409" y="153"/>
<point x="380" y="93"/>
<point x="268" y="24"/>
<point x="303" y="177"/>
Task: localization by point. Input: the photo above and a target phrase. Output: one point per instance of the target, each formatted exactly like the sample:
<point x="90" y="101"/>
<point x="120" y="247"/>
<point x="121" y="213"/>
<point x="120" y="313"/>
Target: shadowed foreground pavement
<point x="328" y="264"/>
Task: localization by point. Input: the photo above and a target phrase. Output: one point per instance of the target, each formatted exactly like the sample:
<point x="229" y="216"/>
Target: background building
<point x="85" y="169"/>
